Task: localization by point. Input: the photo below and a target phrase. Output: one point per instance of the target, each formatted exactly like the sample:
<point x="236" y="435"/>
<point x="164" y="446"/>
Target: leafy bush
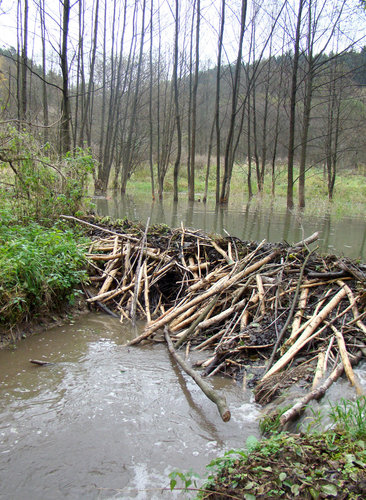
<point x="40" y="268"/>
<point x="38" y="185"/>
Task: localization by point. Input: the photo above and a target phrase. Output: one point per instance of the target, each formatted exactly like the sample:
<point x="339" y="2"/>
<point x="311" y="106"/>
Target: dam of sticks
<point x="264" y="314"/>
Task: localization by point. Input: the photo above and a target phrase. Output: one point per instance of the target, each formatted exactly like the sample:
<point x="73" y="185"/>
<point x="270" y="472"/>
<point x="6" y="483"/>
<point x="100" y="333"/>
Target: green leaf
<point x="249" y="496"/>
<point x="249" y="485"/>
<point x="282" y="476"/>
<point x="295" y="489"/>
<point x="314" y="493"/>
<point x="330" y="489"/>
<point x="251" y="443"/>
<point x="173" y="484"/>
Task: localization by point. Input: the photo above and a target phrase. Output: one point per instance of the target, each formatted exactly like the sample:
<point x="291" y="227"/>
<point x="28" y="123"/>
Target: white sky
<point x="351" y="27"/>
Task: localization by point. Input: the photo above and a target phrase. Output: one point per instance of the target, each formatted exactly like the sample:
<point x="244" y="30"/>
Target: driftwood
<point x="219" y="401"/>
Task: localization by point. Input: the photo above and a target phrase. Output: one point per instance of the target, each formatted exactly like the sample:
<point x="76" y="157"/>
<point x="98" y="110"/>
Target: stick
<point x="219" y="401"/>
<point x="100" y="228"/>
<point x="193" y="326"/>
<point x="352" y="300"/>
<point x="146" y="294"/>
<point x="306" y="241"/>
<point x="346" y="362"/>
<point x="40" y="363"/>
<point x="222" y="252"/>
<point x="139" y="275"/>
<point x="316" y="393"/>
<point x="261" y="293"/>
<point x="290" y="315"/>
<point x="319" y="372"/>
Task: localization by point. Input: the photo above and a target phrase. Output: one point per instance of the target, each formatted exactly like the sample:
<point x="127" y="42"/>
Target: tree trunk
<point x="217" y="101"/>
<point x="65" y="138"/>
<point x="229" y="160"/>
<point x="176" y="102"/>
<point x="292" y="124"/>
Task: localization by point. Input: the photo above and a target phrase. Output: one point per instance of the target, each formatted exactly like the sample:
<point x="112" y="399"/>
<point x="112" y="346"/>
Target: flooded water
<point x="345" y="236"/>
<point x="106" y="421"/>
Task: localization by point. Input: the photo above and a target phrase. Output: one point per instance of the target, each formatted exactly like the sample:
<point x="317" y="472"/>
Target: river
<point x="343" y="236"/>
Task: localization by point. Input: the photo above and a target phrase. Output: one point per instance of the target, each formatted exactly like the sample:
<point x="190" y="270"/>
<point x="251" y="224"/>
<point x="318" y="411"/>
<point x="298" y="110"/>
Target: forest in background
<point x="188" y="85"/>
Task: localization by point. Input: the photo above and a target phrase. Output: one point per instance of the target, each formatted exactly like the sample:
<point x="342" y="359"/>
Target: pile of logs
<point x="266" y="314"/>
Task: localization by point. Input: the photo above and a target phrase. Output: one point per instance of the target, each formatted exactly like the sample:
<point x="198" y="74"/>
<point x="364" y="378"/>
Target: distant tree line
<point x="284" y="89"/>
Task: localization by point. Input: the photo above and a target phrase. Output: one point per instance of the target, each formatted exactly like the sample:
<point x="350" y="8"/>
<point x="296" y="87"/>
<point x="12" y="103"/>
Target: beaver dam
<point x="267" y="315"/>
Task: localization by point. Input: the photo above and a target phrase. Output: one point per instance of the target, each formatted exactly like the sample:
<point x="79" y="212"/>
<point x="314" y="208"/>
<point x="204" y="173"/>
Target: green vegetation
<point x="349" y="195"/>
<point x="327" y="464"/>
<point x="40" y="268"/>
<point x="35" y="184"/>
<point x="41" y="262"/>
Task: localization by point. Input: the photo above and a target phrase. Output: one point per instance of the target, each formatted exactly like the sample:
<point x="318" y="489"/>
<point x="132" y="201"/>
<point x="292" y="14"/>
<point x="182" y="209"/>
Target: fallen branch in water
<point x="317" y="393"/>
<point x="219" y="401"/>
<point x="40" y="363"/>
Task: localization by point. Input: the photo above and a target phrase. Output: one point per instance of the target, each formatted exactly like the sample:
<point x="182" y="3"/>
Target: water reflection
<point x="248" y="222"/>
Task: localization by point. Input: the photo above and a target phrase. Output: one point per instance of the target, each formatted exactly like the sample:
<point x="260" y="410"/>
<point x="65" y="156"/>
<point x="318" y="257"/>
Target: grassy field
<point x="349" y="194"/>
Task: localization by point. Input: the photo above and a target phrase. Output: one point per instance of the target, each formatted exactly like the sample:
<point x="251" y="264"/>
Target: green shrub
<point x="40" y="268"/>
<point x="35" y="183"/>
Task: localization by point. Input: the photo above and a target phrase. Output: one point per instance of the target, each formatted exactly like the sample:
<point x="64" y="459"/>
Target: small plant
<point x="187" y="478"/>
<point x="271" y="422"/>
<point x="350" y="417"/>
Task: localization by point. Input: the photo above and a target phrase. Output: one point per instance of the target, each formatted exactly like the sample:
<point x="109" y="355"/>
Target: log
<point x="219" y="401"/>
<point x="317" y="393"/>
<point x="346" y="361"/>
<point x="320" y="369"/>
<point x="310" y="239"/>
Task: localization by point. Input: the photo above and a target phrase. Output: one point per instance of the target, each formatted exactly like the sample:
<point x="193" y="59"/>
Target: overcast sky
<point x="352" y="25"/>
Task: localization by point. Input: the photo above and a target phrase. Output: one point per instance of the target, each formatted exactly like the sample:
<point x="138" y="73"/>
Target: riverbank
<point x="42" y="270"/>
<point x="330" y="464"/>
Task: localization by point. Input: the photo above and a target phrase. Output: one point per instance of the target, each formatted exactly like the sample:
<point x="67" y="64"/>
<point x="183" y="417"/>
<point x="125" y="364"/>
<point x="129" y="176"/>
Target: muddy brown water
<point x="346" y="236"/>
<point x="105" y="421"/>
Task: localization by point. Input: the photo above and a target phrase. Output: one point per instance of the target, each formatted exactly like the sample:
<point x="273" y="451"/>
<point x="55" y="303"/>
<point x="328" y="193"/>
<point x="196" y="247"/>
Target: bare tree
<point x="176" y="101"/>
<point x="65" y="138"/>
<point x="194" y="105"/>
<point x="229" y="160"/>
<point x="293" y="97"/>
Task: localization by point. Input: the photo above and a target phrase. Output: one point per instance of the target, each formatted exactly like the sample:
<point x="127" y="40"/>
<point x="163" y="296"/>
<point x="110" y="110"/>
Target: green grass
<point x="349" y="195"/>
